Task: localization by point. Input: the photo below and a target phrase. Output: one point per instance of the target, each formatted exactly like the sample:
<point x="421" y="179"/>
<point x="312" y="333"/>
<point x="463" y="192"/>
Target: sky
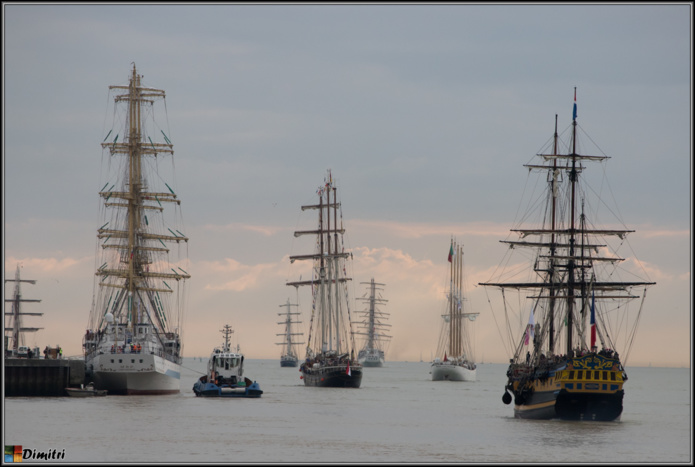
<point x="425" y="115"/>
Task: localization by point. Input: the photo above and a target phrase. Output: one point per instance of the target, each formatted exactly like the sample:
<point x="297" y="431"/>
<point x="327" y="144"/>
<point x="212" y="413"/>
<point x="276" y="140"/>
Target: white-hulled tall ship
<point x="372" y="327"/>
<point x="457" y="362"/>
<point x="133" y="344"/>
<point x="330" y="359"/>
<point x="288" y="356"/>
<point x="575" y="309"/>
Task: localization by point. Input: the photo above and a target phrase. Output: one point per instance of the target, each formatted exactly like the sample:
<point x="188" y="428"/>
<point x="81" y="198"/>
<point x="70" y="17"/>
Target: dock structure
<point x="31" y="377"/>
<point x="26" y="374"/>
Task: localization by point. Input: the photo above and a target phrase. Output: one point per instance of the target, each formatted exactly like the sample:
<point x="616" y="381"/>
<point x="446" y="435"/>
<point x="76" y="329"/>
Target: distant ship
<point x="15" y="345"/>
<point x="133" y="342"/>
<point x="372" y="328"/>
<point x="575" y="308"/>
<point x="330" y="359"/>
<point x="288" y="357"/>
<point x="455" y="339"/>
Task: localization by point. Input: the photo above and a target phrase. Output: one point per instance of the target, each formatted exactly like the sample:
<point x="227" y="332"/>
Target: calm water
<point x="398" y="415"/>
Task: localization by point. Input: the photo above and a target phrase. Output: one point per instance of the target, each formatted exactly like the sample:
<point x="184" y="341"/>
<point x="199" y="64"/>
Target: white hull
<point x="135" y="374"/>
<point x="372" y="361"/>
<point x="445" y="371"/>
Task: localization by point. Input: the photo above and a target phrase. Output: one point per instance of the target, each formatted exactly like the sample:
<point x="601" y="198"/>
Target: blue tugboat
<point x="224" y="377"/>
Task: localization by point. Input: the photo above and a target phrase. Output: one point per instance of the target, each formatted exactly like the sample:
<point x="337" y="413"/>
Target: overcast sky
<point x="425" y="115"/>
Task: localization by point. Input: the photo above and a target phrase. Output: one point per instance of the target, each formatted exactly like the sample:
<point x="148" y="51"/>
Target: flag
<point x="574" y="111"/>
<point x="445" y="357"/>
<point x="451" y="252"/>
<point x="348" y="372"/>
<point x="593" y="319"/>
<point x="529" y="329"/>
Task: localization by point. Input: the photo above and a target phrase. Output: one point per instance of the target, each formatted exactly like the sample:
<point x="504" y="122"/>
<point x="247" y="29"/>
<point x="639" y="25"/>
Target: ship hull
<point x="289" y="362"/>
<point x="371" y="361"/>
<point x="135" y="374"/>
<point x="333" y="377"/>
<point x="443" y="372"/>
<point x="599" y="407"/>
<point x="202" y="389"/>
<point x="586" y="388"/>
<point x="538" y="405"/>
<point x="372" y="364"/>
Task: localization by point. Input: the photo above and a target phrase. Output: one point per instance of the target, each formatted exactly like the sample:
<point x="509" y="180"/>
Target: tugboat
<point x="224" y="377"/>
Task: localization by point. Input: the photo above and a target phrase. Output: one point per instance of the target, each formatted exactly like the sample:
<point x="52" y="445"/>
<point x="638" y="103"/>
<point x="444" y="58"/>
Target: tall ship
<point x="373" y="327"/>
<point x="455" y="360"/>
<point x="133" y="343"/>
<point x="15" y="328"/>
<point x="330" y="352"/>
<point x="576" y="308"/>
<point x="289" y="356"/>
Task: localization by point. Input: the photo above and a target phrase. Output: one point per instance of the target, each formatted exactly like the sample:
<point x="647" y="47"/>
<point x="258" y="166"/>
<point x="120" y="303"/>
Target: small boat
<point x="455" y="337"/>
<point x="224" y="377"/>
<point x="85" y="391"/>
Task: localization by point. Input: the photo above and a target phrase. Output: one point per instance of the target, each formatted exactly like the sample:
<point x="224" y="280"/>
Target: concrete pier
<point x="28" y="377"/>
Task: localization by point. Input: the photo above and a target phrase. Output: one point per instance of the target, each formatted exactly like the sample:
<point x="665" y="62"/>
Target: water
<point x="398" y="415"/>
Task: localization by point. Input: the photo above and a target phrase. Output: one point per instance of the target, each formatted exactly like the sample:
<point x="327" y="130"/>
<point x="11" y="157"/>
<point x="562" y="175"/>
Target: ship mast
<point x="15" y="325"/>
<point x="227" y="331"/>
<point x="327" y="296"/>
<point x="288" y="343"/>
<point x="568" y="248"/>
<point x="372" y="316"/>
<point x="135" y="245"/>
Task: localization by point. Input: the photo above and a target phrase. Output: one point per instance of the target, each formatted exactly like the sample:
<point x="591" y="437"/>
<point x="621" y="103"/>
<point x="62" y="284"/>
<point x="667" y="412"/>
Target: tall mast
<point x="288" y="343"/>
<point x="130" y="273"/>
<point x="572" y="239"/>
<point x="372" y="315"/>
<point x="553" y="250"/>
<point x="16" y="314"/>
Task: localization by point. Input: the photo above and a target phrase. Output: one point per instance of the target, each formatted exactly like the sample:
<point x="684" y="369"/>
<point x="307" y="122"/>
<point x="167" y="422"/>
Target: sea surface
<point x="398" y="415"/>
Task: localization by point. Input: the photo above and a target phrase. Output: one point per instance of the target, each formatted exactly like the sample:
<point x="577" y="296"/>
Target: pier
<point x="31" y="377"/>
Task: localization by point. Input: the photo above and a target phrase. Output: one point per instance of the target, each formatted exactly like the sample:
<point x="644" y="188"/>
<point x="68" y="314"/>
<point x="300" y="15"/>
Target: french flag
<point x="574" y="111"/>
<point x="593" y="320"/>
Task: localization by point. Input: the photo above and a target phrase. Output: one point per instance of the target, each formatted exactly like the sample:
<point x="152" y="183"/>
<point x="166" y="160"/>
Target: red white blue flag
<point x="593" y="320"/>
<point x="574" y="111"/>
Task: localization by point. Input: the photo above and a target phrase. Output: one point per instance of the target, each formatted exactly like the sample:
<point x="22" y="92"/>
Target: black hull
<point x="599" y="407"/>
<point x="334" y="377"/>
<point x="569" y="406"/>
<point x="537" y="405"/>
<point x="292" y="364"/>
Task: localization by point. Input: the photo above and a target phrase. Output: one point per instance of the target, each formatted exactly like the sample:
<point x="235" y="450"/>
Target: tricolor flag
<point x="451" y="252"/>
<point x="593" y="320"/>
<point x="348" y="372"/>
<point x="529" y="329"/>
<point x="574" y="111"/>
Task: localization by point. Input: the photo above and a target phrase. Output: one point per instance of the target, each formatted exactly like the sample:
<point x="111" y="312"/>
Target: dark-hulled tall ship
<point x="576" y="311"/>
<point x="330" y="356"/>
